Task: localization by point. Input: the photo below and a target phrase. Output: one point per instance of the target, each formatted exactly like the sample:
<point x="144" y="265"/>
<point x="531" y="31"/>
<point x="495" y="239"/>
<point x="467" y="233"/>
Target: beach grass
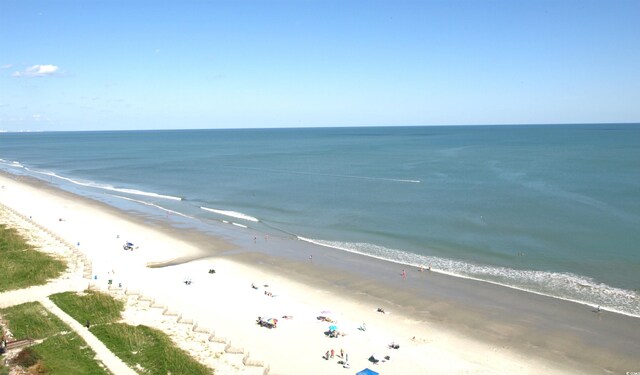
<point x="61" y="351"/>
<point x="148" y="350"/>
<point x="23" y="266"/>
<point x="91" y="306"/>
<point x="31" y="320"/>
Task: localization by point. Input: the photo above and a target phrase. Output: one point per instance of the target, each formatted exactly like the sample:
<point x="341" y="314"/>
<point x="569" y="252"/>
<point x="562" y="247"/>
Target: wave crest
<point x="237" y="215"/>
<point x="567" y="286"/>
<point x="106" y="186"/>
<point x="153" y="205"/>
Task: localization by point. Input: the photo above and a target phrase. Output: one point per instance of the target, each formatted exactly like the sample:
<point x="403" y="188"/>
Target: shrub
<point x="27" y="358"/>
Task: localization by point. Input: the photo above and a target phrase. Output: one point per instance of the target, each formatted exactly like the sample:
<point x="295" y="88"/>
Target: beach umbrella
<point x="333" y="328"/>
<point x="367" y="371"/>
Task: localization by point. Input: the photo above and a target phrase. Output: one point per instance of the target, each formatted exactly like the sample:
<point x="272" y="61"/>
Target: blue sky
<point x="96" y="65"/>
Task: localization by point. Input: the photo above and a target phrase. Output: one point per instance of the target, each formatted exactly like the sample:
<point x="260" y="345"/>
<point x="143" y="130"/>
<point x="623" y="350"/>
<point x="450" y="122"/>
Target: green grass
<point x="22" y="266"/>
<point x="140" y="345"/>
<point x="96" y="307"/>
<point x="32" y="320"/>
<point x="148" y="347"/>
<point x="62" y="351"/>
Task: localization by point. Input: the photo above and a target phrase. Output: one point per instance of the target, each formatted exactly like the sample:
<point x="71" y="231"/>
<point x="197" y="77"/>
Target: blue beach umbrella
<point x="333" y="328"/>
<point x="367" y="371"/>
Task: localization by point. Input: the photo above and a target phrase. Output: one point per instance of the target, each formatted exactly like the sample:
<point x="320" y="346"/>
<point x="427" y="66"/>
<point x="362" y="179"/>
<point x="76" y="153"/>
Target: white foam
<point x="106" y="187"/>
<point x="153" y="205"/>
<point x="237" y="215"/>
<point x="564" y="286"/>
<point x="240" y="225"/>
<point x="13" y="164"/>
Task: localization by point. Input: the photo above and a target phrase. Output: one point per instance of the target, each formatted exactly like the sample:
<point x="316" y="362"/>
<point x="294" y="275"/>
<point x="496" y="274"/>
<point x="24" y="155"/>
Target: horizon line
<point x="328" y="127"/>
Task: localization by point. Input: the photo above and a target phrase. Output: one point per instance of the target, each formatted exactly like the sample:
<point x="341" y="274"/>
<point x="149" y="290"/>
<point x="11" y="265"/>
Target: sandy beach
<point x="442" y="324"/>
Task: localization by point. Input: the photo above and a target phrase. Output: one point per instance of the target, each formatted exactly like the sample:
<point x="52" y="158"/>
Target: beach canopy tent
<point x="367" y="371"/>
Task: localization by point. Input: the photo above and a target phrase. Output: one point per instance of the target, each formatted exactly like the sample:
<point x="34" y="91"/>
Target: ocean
<point x="550" y="209"/>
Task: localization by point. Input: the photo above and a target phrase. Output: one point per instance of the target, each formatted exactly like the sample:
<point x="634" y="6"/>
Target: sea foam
<point x="153" y="205"/>
<point x="106" y="186"/>
<point x="562" y="285"/>
<point x="237" y="215"/>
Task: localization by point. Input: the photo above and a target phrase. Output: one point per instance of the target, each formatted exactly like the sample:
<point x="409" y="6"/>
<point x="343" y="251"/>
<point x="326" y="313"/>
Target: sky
<point x="117" y="65"/>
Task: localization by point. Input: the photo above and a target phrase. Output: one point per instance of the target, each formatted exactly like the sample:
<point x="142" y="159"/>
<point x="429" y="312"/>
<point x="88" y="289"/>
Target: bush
<point x="27" y="358"/>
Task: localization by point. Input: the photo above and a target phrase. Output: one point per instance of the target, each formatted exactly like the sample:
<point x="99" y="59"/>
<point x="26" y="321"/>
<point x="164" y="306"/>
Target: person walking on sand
<point x="404" y="274"/>
<point x="326" y="355"/>
<point x="332" y="353"/>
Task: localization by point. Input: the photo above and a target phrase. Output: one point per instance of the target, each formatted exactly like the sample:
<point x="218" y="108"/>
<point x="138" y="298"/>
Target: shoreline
<point x="522" y="331"/>
<point x="459" y="276"/>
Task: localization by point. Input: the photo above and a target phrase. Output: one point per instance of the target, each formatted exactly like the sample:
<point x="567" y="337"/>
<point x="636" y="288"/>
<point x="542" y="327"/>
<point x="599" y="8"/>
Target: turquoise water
<point x="549" y="209"/>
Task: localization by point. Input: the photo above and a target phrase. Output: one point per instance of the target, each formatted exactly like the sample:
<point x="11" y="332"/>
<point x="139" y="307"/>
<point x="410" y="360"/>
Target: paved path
<point x="38" y="293"/>
<point x="41" y="293"/>
<point x="113" y="363"/>
<point x="69" y="281"/>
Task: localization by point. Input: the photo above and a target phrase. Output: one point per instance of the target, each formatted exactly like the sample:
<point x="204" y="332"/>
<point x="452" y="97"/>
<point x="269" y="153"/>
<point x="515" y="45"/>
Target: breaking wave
<point x="237" y="215"/>
<point x="105" y="186"/>
<point x="562" y="285"/>
<point x="153" y="205"/>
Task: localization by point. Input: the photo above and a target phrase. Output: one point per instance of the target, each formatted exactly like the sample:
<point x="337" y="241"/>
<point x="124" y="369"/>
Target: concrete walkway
<point x="41" y="293"/>
<point x="70" y="281"/>
<point x="113" y="363"/>
<point x="38" y="293"/>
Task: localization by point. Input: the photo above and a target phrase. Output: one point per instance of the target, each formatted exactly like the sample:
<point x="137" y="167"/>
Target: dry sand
<point x="224" y="305"/>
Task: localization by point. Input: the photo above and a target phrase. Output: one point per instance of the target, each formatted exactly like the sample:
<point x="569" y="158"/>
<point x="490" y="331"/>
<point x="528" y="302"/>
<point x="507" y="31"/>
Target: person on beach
<point x="326" y="355"/>
<point x="404" y="274"/>
<point x="332" y="353"/>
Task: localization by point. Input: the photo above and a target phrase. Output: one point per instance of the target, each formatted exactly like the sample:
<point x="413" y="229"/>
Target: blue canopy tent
<point x="367" y="372"/>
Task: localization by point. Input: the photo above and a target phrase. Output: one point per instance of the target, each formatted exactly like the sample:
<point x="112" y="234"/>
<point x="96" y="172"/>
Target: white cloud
<point x="37" y="71"/>
<point x="6" y="66"/>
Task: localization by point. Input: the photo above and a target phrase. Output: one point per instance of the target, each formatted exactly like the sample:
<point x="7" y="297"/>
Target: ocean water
<point x="551" y="209"/>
